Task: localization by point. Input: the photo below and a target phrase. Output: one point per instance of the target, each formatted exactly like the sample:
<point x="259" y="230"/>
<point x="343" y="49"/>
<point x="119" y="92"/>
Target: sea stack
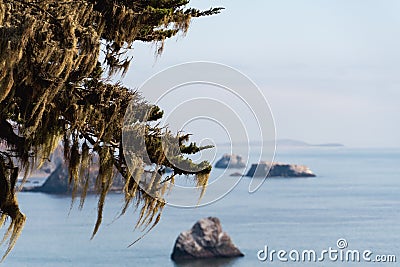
<point x="205" y="240"/>
<point x="276" y="169"/>
<point x="230" y="161"/>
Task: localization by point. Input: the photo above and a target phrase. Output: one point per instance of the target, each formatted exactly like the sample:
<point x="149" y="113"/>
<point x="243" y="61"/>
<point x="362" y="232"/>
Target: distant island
<point x="287" y="143"/>
<point x="297" y="143"/>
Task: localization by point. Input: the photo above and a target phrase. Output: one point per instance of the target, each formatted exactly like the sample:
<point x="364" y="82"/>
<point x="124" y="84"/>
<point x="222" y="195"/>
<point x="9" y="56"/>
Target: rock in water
<point x="204" y="240"/>
<point x="230" y="161"/>
<point x="279" y="169"/>
<point x="58" y="182"/>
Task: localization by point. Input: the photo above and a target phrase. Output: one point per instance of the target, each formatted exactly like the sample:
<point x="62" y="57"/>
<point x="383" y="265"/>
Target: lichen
<point x="54" y="89"/>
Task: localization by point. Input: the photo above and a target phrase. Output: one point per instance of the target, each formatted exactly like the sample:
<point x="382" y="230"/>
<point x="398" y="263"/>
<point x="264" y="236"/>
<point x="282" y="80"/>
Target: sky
<point x="328" y="68"/>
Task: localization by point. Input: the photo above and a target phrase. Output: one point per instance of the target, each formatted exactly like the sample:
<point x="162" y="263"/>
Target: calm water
<point x="355" y="196"/>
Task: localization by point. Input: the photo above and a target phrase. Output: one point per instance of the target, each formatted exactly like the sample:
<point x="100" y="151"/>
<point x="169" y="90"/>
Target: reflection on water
<point x="222" y="262"/>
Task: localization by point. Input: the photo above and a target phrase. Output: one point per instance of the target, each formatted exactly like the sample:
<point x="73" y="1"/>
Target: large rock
<point x="58" y="182"/>
<point x="230" y="161"/>
<point x="279" y="169"/>
<point x="205" y="240"/>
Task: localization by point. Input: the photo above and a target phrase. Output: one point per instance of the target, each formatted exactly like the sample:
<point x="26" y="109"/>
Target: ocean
<point x="354" y="199"/>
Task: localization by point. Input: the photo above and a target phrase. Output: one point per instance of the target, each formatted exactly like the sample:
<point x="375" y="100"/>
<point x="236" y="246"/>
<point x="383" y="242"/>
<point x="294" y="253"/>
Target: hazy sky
<point x="329" y="69"/>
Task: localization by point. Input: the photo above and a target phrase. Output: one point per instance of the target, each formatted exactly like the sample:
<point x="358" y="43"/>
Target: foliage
<point x="52" y="90"/>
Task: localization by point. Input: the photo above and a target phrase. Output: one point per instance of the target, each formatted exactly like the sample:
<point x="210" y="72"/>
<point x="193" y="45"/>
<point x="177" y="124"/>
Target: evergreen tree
<point x="52" y="91"/>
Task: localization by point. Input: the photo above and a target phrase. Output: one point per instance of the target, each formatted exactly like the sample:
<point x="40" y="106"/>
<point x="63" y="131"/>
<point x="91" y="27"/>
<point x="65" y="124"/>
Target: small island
<point x="276" y="169"/>
<point x="230" y="161"/>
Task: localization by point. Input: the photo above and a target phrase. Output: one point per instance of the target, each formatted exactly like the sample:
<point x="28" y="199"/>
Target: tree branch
<point x="7" y="134"/>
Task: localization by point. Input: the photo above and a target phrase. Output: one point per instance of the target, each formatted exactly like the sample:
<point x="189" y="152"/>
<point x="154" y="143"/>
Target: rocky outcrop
<point x="58" y="182"/>
<point x="279" y="170"/>
<point x="230" y="161"/>
<point x="205" y="240"/>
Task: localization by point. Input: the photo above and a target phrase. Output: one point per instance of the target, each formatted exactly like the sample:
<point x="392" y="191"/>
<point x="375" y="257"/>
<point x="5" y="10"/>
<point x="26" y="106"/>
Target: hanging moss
<point x="51" y="90"/>
<point x="8" y="202"/>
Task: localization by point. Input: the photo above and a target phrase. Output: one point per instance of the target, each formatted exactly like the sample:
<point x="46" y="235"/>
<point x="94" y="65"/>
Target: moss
<point x="8" y="203"/>
<point x="51" y="90"/>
